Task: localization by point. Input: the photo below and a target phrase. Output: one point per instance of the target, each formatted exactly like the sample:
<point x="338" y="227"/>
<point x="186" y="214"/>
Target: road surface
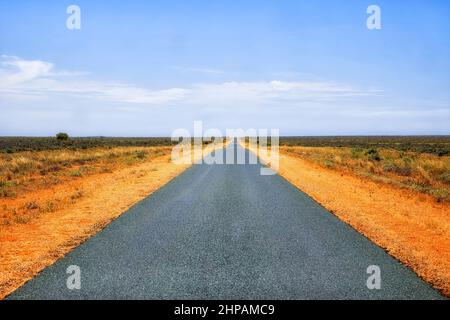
<point x="226" y="232"/>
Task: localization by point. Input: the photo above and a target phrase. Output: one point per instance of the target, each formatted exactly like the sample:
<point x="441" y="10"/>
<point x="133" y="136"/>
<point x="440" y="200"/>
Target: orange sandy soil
<point x="410" y="226"/>
<point x="90" y="204"/>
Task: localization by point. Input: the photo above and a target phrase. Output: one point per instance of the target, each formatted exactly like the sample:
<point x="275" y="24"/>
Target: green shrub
<point x="357" y="153"/>
<point x="373" y="155"/>
<point x="141" y="154"/>
<point x="62" y="136"/>
<point x="76" y="173"/>
<point x="445" y="177"/>
<point x="440" y="194"/>
<point x="329" y="163"/>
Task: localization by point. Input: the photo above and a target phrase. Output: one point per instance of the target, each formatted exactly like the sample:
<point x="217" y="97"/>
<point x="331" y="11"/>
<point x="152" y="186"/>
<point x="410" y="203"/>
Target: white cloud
<point x="16" y="71"/>
<point x="35" y="79"/>
<point x="267" y="92"/>
<point x="21" y="79"/>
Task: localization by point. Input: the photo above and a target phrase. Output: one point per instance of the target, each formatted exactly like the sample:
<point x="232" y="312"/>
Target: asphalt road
<point x="226" y="232"/>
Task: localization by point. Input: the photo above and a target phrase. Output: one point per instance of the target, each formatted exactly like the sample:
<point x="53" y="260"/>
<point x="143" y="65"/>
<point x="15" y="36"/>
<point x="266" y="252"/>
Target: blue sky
<point x="142" y="68"/>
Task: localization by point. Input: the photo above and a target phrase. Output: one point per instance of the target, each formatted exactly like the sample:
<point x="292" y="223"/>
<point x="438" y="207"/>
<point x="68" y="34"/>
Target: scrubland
<point x="31" y="172"/>
<point x="422" y="172"/>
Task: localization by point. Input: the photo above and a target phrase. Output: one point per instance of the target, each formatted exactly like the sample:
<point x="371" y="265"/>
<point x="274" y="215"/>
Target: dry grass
<point x="410" y="224"/>
<point x="422" y="172"/>
<point x="23" y="173"/>
<point x="16" y="165"/>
